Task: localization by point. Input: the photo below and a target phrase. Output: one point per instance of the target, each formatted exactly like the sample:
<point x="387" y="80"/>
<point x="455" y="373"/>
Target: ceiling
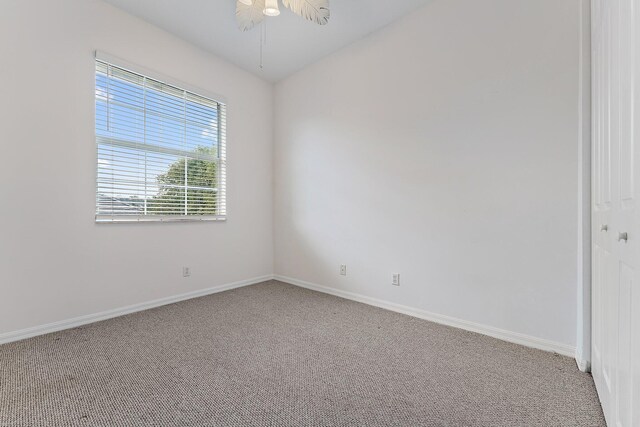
<point x="291" y="42"/>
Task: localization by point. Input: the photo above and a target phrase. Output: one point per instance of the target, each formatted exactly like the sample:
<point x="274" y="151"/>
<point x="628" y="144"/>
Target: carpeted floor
<point x="277" y="355"/>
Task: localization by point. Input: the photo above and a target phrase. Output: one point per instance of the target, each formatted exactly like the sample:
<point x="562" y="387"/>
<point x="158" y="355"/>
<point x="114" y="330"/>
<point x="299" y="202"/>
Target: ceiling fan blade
<point x="313" y="10"/>
<point x="248" y="16"/>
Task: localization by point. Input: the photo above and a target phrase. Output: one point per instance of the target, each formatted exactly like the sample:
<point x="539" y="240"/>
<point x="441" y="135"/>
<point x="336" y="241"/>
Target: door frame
<point x="584" y="243"/>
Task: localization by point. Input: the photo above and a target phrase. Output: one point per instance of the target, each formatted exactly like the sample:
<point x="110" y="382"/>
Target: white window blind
<point x="161" y="150"/>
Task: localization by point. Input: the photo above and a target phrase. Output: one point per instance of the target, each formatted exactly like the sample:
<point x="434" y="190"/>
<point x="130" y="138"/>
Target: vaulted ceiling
<point x="291" y="42"/>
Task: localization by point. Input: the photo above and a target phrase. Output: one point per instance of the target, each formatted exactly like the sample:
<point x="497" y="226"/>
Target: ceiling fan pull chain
<point x="262" y="46"/>
<point x="263" y="42"/>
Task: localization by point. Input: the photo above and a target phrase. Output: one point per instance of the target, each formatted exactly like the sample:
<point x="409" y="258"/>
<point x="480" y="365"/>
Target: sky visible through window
<point x="158" y="147"/>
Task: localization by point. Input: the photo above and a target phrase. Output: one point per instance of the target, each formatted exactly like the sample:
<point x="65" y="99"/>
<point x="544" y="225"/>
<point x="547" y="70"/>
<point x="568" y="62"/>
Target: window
<point x="161" y="150"/>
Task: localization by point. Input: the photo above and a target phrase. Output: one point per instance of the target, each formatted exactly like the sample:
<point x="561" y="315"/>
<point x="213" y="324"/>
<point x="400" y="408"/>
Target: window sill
<point x="155" y="219"/>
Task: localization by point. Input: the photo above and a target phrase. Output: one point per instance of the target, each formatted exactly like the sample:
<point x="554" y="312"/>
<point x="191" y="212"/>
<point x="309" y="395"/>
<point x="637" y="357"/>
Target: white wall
<point x="442" y="148"/>
<point x="55" y="262"/>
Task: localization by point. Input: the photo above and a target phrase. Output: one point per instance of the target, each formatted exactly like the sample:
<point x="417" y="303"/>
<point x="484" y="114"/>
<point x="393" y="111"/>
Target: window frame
<point x="221" y="160"/>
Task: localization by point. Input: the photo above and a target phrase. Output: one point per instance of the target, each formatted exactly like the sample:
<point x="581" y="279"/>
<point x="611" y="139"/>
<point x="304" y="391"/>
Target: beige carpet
<point x="277" y="355"/>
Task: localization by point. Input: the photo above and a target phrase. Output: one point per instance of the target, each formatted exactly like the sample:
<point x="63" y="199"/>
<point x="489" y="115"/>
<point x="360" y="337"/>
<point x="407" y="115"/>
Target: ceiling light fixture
<point x="249" y="13"/>
<point x="271" y="8"/>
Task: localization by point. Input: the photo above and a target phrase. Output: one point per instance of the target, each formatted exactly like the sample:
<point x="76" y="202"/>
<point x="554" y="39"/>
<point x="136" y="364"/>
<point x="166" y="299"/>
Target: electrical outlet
<point x="186" y="271"/>
<point x="343" y="269"/>
<point x="395" y="281"/>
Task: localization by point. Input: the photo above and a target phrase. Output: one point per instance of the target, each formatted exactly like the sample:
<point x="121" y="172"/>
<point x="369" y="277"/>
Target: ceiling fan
<point x="252" y="12"/>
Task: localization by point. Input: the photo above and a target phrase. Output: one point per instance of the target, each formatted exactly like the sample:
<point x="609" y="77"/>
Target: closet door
<point x="604" y="336"/>
<point x="634" y="240"/>
<point x="627" y="221"/>
<point x="616" y="254"/>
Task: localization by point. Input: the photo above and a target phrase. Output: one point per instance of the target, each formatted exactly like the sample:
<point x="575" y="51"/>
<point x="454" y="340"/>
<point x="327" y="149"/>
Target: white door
<point x="603" y="333"/>
<point x="616" y="175"/>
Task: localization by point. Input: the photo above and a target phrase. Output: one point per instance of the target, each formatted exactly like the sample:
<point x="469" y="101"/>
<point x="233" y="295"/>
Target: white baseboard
<point x="91" y="318"/>
<point x="513" y="337"/>
<point x="583" y="365"/>
<point x="502" y="334"/>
